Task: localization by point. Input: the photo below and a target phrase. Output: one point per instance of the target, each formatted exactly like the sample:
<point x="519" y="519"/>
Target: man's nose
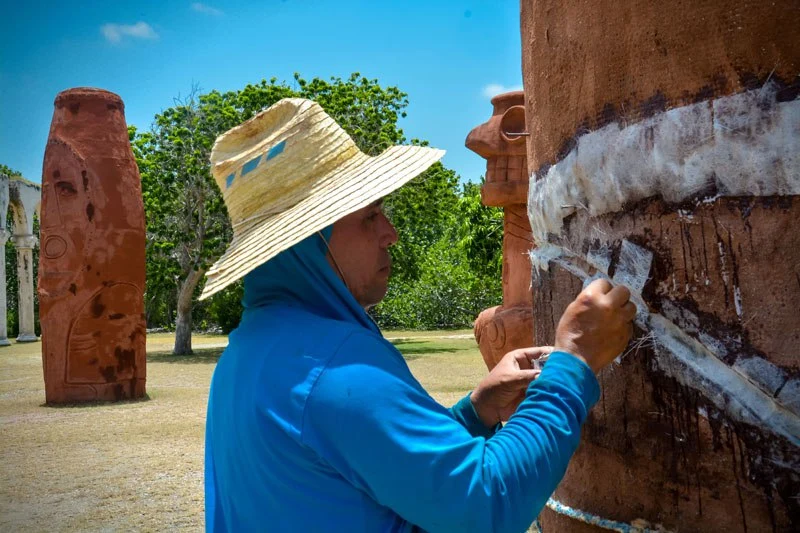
<point x="389" y="234"/>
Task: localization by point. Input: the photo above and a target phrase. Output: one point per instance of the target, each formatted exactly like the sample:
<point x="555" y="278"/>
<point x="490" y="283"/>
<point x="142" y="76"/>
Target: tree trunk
<point x="183" y="323"/>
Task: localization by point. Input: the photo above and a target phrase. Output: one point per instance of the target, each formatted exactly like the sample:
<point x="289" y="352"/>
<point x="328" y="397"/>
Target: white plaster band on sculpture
<point x="693" y="364"/>
<point x="747" y="144"/>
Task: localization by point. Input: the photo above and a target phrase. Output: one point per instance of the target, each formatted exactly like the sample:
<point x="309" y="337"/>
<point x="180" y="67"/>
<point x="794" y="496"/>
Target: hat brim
<point x="345" y="190"/>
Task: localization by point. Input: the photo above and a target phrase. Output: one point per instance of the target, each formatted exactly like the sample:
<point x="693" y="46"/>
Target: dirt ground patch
<point x="138" y="466"/>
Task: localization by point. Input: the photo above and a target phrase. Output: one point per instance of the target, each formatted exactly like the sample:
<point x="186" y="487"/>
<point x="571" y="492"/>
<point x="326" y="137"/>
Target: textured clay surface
<point x="587" y="63"/>
<point x="661" y="447"/>
<point x="91" y="266"/>
<point x="656" y="449"/>
<point x="507" y="327"/>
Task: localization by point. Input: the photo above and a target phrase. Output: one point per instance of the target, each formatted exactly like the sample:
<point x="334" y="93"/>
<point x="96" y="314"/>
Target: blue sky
<point x="449" y="56"/>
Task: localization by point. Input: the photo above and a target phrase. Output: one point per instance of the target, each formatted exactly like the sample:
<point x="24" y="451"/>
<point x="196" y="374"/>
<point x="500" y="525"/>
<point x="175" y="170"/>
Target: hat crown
<point x="270" y="162"/>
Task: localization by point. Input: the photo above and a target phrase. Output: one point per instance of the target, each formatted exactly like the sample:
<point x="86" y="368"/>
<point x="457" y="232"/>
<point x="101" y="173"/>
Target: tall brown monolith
<point x="501" y="141"/>
<point x="664" y="153"/>
<point x="92" y="259"/>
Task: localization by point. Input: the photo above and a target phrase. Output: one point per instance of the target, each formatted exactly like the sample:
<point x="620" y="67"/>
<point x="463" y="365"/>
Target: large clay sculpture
<point x="91" y="266"/>
<point x="663" y="149"/>
<point x="501" y="141"/>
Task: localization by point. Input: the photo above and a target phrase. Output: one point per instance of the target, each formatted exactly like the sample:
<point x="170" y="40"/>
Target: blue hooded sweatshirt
<point x="315" y="423"/>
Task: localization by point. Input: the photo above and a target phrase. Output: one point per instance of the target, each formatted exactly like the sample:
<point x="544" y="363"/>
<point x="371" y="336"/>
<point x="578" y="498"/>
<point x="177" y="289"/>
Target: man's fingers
<point x="525" y="376"/>
<point x="629" y="310"/>
<point x="526" y="356"/>
<point x="534" y="352"/>
<point x="599" y="286"/>
<point x="619" y="295"/>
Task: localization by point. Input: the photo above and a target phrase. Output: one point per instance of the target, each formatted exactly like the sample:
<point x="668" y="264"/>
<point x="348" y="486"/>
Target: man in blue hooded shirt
<point x="315" y="422"/>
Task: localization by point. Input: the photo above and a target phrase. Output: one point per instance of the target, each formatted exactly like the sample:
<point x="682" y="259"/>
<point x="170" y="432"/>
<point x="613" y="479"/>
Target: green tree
<point x="187" y="227"/>
<point x="480" y="232"/>
<point x="8" y="171"/>
<point x="186" y="221"/>
<point x="447" y="294"/>
<point x="422" y="211"/>
<point x="456" y="276"/>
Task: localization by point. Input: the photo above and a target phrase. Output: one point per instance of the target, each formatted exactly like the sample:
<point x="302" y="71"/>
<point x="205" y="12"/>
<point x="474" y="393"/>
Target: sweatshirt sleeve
<point x="369" y="419"/>
<point x="464" y="413"/>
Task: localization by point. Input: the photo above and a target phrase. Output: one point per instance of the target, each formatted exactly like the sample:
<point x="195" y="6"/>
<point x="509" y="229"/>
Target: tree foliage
<point x="422" y="211"/>
<point x="186" y="221"/>
<point x="187" y="226"/>
<point x="8" y="171"/>
<point x="458" y="272"/>
<point x="480" y="233"/>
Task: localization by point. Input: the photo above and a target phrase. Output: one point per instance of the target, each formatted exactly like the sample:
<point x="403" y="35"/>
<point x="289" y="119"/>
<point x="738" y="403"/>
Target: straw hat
<point x="291" y="171"/>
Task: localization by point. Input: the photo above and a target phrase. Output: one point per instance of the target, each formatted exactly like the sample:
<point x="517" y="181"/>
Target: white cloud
<point x="115" y="32"/>
<point x="493" y="89"/>
<point x="202" y="8"/>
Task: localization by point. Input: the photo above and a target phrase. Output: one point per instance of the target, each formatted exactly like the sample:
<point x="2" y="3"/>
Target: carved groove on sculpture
<point x="516" y="224"/>
<point x="101" y="340"/>
<point x="705" y="151"/>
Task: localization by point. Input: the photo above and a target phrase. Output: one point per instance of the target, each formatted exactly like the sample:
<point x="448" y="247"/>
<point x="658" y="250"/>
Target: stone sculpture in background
<point x="92" y="256"/>
<point x="501" y="141"/>
<point x="664" y="154"/>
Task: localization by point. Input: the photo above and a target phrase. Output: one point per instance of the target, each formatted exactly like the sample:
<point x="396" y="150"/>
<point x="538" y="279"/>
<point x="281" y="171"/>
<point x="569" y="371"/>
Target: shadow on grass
<point x="422" y="350"/>
<point x="97" y="403"/>
<point x="451" y="389"/>
<point x="444" y="345"/>
<point x="403" y="340"/>
<point x="200" y="356"/>
<point x="211" y="355"/>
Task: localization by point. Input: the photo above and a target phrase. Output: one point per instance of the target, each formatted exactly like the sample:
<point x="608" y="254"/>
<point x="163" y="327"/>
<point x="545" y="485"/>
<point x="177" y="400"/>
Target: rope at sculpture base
<point x="639" y="526"/>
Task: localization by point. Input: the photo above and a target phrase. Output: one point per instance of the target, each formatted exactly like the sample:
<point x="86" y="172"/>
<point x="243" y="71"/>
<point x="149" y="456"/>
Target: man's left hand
<point x="499" y="394"/>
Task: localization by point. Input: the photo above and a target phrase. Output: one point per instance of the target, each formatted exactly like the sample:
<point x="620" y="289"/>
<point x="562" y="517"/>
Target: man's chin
<point x="375" y="298"/>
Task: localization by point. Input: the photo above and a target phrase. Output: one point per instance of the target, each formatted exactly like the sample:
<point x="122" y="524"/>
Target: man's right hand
<point x="597" y="326"/>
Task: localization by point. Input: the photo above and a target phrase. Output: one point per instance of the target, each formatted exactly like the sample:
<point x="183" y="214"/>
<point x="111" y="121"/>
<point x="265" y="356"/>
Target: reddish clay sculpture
<point x="501" y="141"/>
<point x="663" y="150"/>
<point x="91" y="265"/>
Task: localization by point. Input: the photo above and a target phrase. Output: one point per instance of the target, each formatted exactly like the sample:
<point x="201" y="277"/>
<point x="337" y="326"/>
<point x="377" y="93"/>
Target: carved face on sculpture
<point x="501" y="139"/>
<point x="67" y="218"/>
<point x="104" y="336"/>
<point x="499" y="330"/>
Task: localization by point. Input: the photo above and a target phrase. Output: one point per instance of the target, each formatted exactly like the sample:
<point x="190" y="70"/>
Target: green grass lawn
<point x="139" y="465"/>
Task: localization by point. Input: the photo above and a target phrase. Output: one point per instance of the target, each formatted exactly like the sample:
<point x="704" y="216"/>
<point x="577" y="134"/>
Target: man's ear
<point x="332" y="260"/>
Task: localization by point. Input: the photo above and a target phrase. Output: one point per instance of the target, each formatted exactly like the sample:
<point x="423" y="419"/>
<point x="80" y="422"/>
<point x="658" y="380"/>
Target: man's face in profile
<point x="360" y="248"/>
<point x="67" y="218"/>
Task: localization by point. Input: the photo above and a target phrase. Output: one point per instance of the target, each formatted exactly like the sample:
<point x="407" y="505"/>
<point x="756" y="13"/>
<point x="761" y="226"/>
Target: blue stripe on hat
<point x="251" y="165"/>
<point x="229" y="180"/>
<point x="276" y="150"/>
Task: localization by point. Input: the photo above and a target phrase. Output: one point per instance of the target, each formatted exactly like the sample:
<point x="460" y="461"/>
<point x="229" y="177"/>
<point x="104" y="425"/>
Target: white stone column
<point x="25" y="245"/>
<point x="3" y="301"/>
